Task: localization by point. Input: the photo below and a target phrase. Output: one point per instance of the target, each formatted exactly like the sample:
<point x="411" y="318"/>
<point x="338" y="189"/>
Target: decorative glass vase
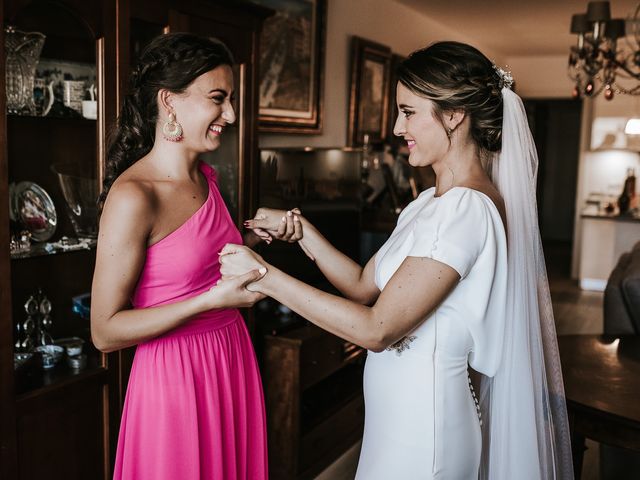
<point x="80" y="190"/>
<point x="22" y="52"/>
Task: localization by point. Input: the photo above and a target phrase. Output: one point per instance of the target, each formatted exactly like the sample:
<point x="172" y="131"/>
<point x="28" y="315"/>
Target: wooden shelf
<point x="52" y="248"/>
<point x="42" y="381"/>
<point x="14" y="117"/>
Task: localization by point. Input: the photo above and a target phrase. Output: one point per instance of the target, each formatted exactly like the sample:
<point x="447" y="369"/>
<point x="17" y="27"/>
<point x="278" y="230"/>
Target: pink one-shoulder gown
<point x="194" y="407"/>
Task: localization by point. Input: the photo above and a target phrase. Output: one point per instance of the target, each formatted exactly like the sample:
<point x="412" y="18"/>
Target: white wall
<point x="542" y="76"/>
<point x="387" y="22"/>
<point x="601" y="171"/>
<point x="546" y="77"/>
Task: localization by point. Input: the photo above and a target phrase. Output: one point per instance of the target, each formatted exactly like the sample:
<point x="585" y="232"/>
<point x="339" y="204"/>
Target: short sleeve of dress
<point x="455" y="232"/>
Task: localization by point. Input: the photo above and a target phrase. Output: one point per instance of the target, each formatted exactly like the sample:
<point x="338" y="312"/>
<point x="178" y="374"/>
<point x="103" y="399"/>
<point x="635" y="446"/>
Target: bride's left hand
<point x="237" y="260"/>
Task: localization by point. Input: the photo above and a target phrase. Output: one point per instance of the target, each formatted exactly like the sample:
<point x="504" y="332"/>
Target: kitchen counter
<point x="604" y="238"/>
<point x="628" y="217"/>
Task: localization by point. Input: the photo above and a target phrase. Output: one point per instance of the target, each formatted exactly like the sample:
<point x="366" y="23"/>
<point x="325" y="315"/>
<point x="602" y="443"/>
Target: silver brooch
<point x="402" y="344"/>
<point x="506" y="78"/>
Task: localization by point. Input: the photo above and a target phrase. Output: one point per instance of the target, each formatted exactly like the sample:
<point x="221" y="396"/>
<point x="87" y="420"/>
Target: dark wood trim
<point x="8" y="449"/>
<point x="115" y="59"/>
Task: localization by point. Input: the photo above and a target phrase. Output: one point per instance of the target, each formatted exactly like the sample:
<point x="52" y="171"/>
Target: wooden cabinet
<point x="63" y="423"/>
<point x="54" y="423"/>
<point x="313" y="394"/>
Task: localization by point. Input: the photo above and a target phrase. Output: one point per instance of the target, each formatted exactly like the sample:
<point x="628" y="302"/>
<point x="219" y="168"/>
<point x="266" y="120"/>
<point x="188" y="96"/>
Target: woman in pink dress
<point x="194" y="407"/>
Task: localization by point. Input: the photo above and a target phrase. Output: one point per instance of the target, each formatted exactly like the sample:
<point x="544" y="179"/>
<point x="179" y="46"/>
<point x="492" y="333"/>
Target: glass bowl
<point x="51" y="355"/>
<point x="73" y="345"/>
<point x="77" y="362"/>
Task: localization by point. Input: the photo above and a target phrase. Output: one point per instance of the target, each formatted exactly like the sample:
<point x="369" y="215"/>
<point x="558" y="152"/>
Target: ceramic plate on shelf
<point x="33" y="208"/>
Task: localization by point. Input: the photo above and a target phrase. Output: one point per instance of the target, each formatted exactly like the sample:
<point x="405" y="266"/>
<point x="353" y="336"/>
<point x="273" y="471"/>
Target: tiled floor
<point x="575" y="311"/>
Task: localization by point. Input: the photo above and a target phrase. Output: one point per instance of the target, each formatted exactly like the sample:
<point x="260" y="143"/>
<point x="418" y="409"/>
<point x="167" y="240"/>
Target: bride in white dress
<point x="460" y="283"/>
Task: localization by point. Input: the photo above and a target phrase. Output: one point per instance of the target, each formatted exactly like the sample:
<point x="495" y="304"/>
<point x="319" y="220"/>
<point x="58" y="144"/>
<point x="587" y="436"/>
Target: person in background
<point x="459" y="284"/>
<point x="194" y="407"/>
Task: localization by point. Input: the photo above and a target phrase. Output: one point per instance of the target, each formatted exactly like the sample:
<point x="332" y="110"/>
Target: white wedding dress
<point x="421" y="417"/>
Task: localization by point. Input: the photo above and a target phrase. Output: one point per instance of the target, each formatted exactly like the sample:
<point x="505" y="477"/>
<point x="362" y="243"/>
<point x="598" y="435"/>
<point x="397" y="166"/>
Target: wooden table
<point x="602" y="386"/>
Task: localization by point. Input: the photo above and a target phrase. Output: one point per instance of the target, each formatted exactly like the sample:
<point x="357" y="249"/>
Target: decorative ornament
<point x="172" y="130"/>
<point x="575" y="93"/>
<point x="401" y="345"/>
<point x="608" y="92"/>
<point x="448" y="131"/>
<point x="506" y="78"/>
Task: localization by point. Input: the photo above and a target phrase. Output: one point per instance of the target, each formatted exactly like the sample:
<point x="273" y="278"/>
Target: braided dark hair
<point x="172" y="62"/>
<point x="456" y="76"/>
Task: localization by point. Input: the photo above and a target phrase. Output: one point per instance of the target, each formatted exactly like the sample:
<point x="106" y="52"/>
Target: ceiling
<point x="514" y="27"/>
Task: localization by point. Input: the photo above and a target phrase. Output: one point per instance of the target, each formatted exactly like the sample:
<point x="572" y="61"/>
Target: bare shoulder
<point x="131" y="199"/>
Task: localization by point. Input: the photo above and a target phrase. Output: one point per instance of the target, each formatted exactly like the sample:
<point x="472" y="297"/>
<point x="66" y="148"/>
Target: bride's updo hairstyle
<point x="456" y="76"/>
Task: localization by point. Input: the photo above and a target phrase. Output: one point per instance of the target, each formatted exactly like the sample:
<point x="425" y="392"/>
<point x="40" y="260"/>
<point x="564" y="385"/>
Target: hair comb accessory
<point x="506" y="78"/>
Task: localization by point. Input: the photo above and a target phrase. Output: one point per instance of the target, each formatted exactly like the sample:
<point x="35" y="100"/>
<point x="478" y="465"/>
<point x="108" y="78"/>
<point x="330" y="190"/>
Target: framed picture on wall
<point x="291" y="66"/>
<point x="369" y="92"/>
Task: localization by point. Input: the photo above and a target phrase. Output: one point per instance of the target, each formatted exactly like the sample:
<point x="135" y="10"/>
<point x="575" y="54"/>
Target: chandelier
<point x="607" y="55"/>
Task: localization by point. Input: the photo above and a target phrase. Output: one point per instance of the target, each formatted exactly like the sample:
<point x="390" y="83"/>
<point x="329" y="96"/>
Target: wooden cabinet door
<point x="61" y="434"/>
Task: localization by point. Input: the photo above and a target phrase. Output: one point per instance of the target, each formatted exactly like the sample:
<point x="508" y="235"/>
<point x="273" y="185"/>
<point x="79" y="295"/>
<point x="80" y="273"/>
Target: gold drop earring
<point x="172" y="130"/>
<point x="448" y="131"/>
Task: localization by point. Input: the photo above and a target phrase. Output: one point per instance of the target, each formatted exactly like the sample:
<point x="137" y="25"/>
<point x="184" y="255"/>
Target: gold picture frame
<point x="292" y="66"/>
<point x="369" y="92"/>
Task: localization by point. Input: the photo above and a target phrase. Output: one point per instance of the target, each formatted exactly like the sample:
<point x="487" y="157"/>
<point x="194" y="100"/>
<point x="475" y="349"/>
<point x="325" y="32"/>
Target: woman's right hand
<point x="232" y="292"/>
<point x="270" y="223"/>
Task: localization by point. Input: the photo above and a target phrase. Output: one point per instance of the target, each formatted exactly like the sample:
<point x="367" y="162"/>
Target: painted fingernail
<point x="263" y="270"/>
<point x="289" y="213"/>
<point x="284" y="219"/>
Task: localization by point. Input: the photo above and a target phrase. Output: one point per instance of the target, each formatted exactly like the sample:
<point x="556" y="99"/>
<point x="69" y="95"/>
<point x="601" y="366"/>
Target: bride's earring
<point x="449" y="130"/>
<point x="172" y="130"/>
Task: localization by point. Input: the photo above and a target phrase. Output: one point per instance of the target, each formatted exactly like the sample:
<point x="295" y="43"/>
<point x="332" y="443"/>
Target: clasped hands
<point x="237" y="260"/>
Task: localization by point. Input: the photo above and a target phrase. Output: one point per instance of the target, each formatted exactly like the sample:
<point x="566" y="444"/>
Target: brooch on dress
<point x="402" y="344"/>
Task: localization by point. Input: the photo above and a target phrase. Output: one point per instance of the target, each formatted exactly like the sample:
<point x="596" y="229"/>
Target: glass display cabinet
<point x="64" y="71"/>
<point x="58" y="56"/>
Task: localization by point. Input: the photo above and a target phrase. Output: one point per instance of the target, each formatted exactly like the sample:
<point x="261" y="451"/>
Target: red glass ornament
<point x="588" y="90"/>
<point x="608" y="92"/>
<point x="575" y="93"/>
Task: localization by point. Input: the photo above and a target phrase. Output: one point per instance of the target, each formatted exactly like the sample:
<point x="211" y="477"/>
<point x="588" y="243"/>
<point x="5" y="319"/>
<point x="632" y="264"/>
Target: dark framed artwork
<point x="369" y="92"/>
<point x="396" y="60"/>
<point x="291" y="71"/>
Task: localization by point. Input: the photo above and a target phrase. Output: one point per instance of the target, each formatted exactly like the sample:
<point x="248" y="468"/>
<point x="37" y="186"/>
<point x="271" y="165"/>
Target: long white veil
<point x="525" y="430"/>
